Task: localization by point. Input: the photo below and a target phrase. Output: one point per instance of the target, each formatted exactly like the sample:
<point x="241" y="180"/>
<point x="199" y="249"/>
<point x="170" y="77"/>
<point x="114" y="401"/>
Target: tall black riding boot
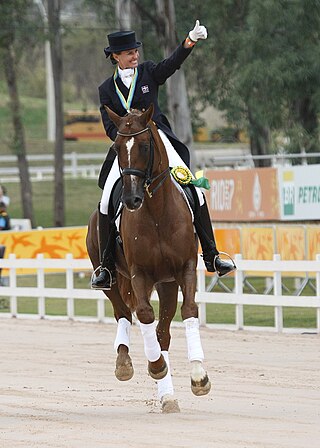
<point x="107" y="235"/>
<point x="211" y="256"/>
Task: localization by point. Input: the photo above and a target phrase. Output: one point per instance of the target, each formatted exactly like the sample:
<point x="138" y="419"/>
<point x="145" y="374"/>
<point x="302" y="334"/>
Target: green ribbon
<point x="202" y="182"/>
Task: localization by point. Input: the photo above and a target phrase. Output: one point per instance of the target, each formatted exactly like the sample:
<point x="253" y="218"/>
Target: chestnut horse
<point x="159" y="252"/>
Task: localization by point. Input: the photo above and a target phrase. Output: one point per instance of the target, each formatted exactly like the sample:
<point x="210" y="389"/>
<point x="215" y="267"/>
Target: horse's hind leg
<point x="168" y="293"/>
<point x="200" y="383"/>
<point x="124" y="369"/>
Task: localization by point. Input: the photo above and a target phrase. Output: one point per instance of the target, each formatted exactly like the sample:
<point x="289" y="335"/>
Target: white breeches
<point x="174" y="160"/>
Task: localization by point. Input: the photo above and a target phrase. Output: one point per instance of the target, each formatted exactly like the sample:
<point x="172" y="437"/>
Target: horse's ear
<point x="113" y="116"/>
<point x="147" y="115"/>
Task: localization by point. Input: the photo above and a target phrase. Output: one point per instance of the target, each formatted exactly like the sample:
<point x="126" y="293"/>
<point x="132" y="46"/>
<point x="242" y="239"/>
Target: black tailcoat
<point x="150" y="77"/>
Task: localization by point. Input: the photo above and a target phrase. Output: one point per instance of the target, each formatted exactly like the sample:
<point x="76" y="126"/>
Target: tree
<point x="54" y="8"/>
<point x="177" y="95"/>
<point x="14" y="31"/>
<point x="261" y="67"/>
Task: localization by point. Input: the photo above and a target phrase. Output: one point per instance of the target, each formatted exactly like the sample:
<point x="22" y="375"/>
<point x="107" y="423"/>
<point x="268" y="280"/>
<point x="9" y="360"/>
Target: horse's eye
<point x="144" y="148"/>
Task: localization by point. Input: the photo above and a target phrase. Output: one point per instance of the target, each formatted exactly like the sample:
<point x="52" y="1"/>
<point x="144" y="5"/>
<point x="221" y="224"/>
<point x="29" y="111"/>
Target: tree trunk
<point x="307" y="117"/>
<point x="177" y="96"/>
<point x="259" y="140"/>
<point x="123" y="14"/>
<point x="54" y="8"/>
<point x="19" y="144"/>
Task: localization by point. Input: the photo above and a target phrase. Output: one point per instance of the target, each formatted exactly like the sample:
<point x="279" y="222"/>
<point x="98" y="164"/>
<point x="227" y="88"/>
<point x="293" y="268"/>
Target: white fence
<point x="276" y="268"/>
<point x="41" y="166"/>
<point x="76" y="165"/>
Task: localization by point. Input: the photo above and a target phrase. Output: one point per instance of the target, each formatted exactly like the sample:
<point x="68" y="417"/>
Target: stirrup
<point x="111" y="282"/>
<point x="228" y="268"/>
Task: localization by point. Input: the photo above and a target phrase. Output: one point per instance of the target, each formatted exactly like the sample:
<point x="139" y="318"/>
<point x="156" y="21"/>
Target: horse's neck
<point x="159" y="145"/>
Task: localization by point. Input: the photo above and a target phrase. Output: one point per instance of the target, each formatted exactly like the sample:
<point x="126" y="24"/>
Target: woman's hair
<point x="114" y="62"/>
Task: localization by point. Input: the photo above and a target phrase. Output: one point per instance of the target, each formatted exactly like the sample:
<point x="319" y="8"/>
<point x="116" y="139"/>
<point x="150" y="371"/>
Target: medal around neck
<point x="126" y="103"/>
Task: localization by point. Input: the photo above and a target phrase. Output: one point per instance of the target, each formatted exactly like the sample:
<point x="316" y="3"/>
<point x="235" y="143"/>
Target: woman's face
<point x="127" y="58"/>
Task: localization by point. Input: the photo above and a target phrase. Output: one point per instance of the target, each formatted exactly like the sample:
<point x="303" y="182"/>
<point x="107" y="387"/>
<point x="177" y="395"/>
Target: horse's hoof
<point x="201" y="387"/>
<point x="158" y="374"/>
<point x="169" y="405"/>
<point x="124" y="369"/>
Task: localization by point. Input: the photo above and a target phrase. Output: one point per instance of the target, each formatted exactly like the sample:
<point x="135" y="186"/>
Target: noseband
<point x="147" y="174"/>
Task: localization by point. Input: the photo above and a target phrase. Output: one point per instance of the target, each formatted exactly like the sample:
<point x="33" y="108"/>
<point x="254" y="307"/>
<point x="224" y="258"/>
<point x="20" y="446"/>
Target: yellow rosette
<point x="182" y="175"/>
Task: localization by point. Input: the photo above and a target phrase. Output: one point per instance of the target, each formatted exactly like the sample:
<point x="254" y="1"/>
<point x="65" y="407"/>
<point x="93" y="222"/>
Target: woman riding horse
<point x="135" y="85"/>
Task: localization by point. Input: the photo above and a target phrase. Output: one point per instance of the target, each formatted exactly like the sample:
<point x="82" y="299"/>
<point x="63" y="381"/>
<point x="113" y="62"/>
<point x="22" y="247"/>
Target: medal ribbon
<point x="126" y="103"/>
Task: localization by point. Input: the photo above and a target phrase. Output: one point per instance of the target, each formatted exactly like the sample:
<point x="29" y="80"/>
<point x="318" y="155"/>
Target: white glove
<point x="198" y="32"/>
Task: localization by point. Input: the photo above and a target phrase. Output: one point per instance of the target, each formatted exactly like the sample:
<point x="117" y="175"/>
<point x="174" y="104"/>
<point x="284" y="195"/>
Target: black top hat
<point x="121" y="41"/>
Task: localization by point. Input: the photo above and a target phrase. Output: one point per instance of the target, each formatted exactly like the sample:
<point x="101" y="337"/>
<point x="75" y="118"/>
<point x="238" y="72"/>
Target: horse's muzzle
<point x="132" y="202"/>
<point x="132" y="192"/>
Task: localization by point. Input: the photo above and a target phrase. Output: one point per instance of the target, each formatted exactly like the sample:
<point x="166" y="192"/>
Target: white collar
<point x="126" y="72"/>
<point x="126" y="76"/>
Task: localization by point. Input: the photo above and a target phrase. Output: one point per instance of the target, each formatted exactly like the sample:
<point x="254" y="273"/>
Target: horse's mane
<point x="137" y="112"/>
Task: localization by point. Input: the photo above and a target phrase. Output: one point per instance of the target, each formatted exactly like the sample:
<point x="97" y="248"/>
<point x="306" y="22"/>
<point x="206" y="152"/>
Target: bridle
<point x="147" y="174"/>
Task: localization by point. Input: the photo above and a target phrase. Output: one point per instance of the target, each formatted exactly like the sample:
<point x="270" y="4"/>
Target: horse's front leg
<point x="168" y="295"/>
<point x="157" y="366"/>
<point x="200" y="383"/>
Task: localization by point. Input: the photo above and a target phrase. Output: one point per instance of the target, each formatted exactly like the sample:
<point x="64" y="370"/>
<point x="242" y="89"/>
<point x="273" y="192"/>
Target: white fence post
<point x="70" y="286"/>
<point x="74" y="164"/>
<point x="13" y="284"/>
<point x="237" y="298"/>
<point x="318" y="293"/>
<point x="238" y="286"/>
<point x="41" y="285"/>
<point x="277" y="291"/>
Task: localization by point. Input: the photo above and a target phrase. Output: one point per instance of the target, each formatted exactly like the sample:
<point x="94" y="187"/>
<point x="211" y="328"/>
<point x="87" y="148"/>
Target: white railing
<point x="88" y="165"/>
<point x="75" y="165"/>
<point x="276" y="268"/>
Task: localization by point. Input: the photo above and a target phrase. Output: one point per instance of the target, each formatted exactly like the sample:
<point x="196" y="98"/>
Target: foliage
<point x="260" y="57"/>
<point x="264" y="57"/>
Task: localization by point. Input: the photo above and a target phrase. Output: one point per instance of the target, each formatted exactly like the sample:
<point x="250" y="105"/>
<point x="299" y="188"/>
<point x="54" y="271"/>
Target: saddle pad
<point x="187" y="197"/>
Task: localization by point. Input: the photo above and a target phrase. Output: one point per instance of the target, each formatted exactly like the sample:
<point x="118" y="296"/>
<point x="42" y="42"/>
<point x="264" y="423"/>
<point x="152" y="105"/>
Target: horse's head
<point x="135" y="148"/>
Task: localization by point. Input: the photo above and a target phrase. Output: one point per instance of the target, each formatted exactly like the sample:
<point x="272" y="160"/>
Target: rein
<point x="146" y="175"/>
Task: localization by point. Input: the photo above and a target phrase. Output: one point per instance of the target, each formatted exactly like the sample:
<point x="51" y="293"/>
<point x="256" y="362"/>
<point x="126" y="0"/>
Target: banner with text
<point x="299" y="188"/>
<point x="243" y="195"/>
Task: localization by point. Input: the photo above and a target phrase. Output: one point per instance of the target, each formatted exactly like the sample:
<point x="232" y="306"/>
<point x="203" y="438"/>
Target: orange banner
<point x="228" y="240"/>
<point x="257" y="243"/>
<point x="313" y="238"/>
<point x="291" y="242"/>
<point x="246" y="195"/>
<point x="52" y="243"/>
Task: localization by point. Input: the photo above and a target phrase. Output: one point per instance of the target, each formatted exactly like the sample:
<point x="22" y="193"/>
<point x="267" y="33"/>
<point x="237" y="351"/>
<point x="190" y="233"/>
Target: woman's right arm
<point x="166" y="68"/>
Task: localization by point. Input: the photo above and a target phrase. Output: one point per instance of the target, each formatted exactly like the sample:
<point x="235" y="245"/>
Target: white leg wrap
<point x="123" y="333"/>
<point x="151" y="345"/>
<point x="175" y="160"/>
<point x="195" y="352"/>
<point x="165" y="386"/>
<point x="111" y="180"/>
